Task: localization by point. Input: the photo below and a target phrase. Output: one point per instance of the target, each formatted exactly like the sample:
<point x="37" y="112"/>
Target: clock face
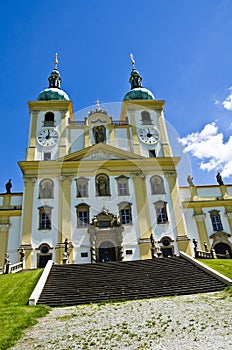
<point x="149" y="136"/>
<point x="48" y="137"/>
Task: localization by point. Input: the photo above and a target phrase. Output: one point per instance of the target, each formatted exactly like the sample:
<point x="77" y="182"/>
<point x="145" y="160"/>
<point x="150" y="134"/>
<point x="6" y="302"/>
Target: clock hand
<point x="48" y="135"/>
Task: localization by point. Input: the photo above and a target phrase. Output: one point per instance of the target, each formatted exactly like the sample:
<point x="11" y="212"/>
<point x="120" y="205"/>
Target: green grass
<point x="223" y="266"/>
<point x="15" y="315"/>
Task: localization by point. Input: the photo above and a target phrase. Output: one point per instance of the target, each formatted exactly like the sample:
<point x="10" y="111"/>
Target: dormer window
<point x="49" y="119"/>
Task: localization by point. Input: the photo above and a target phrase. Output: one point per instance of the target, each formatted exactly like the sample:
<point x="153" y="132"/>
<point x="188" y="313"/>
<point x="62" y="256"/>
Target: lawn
<point x="15" y="315"/>
<point x="223" y="266"/>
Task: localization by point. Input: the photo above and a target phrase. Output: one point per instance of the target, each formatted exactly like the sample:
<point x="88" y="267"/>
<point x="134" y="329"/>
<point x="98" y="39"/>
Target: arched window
<point x="123" y="187"/>
<point x="102" y="185"/>
<point x="125" y="213"/>
<point x="161" y="212"/>
<point x="157" y="185"/>
<point x="46" y="189"/>
<point x="49" y="119"/>
<point x="146" y="118"/>
<point x="82" y="215"/>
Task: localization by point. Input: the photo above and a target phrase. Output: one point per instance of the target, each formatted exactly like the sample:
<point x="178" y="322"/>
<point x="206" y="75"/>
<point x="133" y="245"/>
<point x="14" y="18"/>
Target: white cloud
<point x="209" y="147"/>
<point x="227" y="104"/>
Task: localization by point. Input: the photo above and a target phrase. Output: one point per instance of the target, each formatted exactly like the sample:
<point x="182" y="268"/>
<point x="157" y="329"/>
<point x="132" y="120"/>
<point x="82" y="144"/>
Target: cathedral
<point x="105" y="188"/>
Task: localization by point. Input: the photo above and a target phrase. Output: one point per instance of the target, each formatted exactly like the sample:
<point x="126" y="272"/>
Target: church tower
<point x="99" y="189"/>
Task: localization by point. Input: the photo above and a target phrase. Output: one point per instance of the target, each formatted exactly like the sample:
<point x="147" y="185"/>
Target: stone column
<point x="63" y="137"/>
<point x="164" y="137"/>
<point x="183" y="240"/>
<point x="64" y="218"/>
<point x="201" y="227"/>
<point x="143" y="215"/>
<point x="223" y="190"/>
<point x="4" y="234"/>
<point x="93" y="248"/>
<point x="32" y="141"/>
<point x="228" y="214"/>
<point x="134" y="132"/>
<point x="29" y="184"/>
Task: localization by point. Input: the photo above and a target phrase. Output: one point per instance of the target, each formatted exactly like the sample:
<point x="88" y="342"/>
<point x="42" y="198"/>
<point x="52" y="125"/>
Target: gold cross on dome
<point x="132" y="59"/>
<point x="56" y="60"/>
<point x="97" y="102"/>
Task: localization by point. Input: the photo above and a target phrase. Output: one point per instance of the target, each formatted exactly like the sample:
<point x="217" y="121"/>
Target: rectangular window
<point x="123" y="188"/>
<point x="82" y="190"/>
<point x="129" y="252"/>
<point x="161" y="216"/>
<point x="152" y="153"/>
<point x="216" y="222"/>
<point x="45" y="221"/>
<point x="47" y="155"/>
<point x="125" y="216"/>
<point x="82" y="219"/>
<point x="84" y="255"/>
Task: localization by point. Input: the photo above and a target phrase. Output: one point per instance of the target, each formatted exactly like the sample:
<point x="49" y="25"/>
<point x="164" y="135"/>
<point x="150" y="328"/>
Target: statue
<point x="8" y="186"/>
<point x="115" y="221"/>
<point x="190" y="180"/>
<point x="205" y="246"/>
<point x="219" y="179"/>
<point x="195" y="247"/>
<point x="99" y="133"/>
<point x="22" y="255"/>
<point x="152" y="240"/>
<point x="66" y="245"/>
<point x="95" y="221"/>
<point x="102" y="185"/>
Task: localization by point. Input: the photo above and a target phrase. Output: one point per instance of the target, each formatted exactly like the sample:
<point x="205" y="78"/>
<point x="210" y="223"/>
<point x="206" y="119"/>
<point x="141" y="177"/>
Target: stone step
<point x="79" y="284"/>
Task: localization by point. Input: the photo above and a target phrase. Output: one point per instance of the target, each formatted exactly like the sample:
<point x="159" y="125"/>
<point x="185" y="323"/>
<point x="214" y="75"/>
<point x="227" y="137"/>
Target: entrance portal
<point x="43" y="259"/>
<point x="106" y="252"/>
<point x="221" y="248"/>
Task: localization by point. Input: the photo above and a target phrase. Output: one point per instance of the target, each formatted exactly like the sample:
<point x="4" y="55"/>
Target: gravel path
<point x="190" y="322"/>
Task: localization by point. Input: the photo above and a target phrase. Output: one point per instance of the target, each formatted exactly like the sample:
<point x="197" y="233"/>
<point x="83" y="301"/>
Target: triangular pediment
<point x="100" y="152"/>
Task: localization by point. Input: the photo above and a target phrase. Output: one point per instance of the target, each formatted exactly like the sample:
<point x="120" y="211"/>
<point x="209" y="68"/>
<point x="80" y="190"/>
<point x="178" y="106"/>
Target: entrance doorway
<point x="221" y="248"/>
<point x="43" y="259"/>
<point x="106" y="252"/>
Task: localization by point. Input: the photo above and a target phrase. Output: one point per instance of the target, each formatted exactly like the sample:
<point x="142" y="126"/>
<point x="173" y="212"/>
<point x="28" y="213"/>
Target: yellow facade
<point x="138" y="203"/>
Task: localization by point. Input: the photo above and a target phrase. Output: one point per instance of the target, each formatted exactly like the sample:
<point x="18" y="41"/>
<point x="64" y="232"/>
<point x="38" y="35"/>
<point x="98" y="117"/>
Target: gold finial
<point x="97" y="104"/>
<point x="132" y="60"/>
<point x="56" y="60"/>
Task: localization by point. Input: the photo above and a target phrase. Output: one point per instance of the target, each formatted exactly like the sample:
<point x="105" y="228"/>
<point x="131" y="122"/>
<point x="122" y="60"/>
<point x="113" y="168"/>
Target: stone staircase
<point x="92" y="283"/>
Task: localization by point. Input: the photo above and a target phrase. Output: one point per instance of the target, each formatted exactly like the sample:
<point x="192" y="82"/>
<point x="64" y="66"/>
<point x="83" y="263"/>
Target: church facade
<point x="101" y="190"/>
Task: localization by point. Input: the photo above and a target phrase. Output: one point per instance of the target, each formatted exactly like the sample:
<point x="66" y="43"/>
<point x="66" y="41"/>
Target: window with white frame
<point x="123" y="186"/>
<point x="82" y="187"/>
<point x="161" y="212"/>
<point x="45" y="217"/>
<point x="82" y="215"/>
<point x="216" y="220"/>
<point x="125" y="213"/>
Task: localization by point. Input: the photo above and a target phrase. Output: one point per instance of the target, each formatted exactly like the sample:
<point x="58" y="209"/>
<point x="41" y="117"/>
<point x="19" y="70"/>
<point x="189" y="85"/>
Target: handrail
<point x="40" y="285"/>
<point x="14" y="268"/>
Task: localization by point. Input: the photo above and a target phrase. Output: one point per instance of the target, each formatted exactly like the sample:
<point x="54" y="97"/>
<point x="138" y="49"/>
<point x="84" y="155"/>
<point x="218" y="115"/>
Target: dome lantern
<point x="53" y="92"/>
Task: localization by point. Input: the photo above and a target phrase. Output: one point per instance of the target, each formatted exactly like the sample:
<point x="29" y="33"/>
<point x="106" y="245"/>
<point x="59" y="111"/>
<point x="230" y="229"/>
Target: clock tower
<point x="49" y="118"/>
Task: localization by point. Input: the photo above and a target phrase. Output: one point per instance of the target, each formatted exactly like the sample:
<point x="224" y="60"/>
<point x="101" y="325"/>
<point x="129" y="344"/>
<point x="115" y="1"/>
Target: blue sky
<point x="182" y="50"/>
